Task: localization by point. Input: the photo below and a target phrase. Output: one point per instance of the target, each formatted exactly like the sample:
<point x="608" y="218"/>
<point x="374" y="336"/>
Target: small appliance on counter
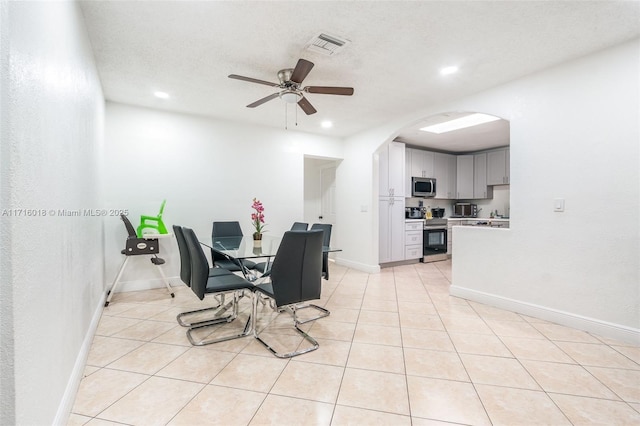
<point x="437" y="212"/>
<point x="414" y="212"/>
<point x="465" y="210"/>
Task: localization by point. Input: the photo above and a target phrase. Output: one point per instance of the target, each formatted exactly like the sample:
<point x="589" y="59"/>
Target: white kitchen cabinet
<point x="464" y="176"/>
<point x="450" y="224"/>
<point x="418" y="163"/>
<point x="480" y="188"/>
<point x="391" y="166"/>
<point x="413" y="239"/>
<point x="392" y="229"/>
<point x="444" y="170"/>
<point x="498" y="167"/>
<point x="421" y="163"/>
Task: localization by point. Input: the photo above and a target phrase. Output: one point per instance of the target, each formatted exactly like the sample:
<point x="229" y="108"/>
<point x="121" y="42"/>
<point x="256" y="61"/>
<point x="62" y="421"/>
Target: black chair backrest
<point x="185" y="259"/>
<point x="326" y="228"/>
<point x="199" y="264"/>
<point x="225" y="229"/>
<point x="296" y="273"/>
<point x="127" y="224"/>
<point x="299" y="226"/>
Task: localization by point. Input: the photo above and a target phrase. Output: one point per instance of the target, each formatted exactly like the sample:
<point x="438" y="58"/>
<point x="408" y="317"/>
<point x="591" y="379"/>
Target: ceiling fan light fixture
<point x="326" y="124"/>
<point x="290" y="96"/>
<point x="460" y="123"/>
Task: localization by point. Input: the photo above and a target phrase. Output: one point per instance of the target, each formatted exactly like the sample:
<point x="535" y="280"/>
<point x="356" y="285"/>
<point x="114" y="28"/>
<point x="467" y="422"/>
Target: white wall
<point x="52" y="266"/>
<point x="207" y="170"/>
<point x="574" y="134"/>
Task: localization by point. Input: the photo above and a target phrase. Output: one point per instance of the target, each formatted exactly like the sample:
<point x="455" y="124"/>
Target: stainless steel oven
<point x="434" y="240"/>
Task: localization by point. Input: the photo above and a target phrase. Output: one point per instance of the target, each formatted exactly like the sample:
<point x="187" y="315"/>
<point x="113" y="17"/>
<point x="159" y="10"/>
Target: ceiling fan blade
<point x="347" y="91"/>
<point x="263" y="100"/>
<point x="252" y="80"/>
<point x="303" y="67"/>
<point x="306" y="106"/>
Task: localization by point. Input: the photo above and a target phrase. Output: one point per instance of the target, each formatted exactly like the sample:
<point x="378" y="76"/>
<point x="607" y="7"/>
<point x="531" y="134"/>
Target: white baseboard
<point x="69" y="397"/>
<point x="591" y="325"/>
<point x="147" y="284"/>
<point x="371" y="269"/>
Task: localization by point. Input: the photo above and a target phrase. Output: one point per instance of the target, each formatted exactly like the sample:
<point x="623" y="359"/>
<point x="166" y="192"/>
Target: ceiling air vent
<point x="326" y="44"/>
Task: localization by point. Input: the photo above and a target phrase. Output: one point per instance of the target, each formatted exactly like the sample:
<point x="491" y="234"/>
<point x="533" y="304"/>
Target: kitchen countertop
<point x="480" y="218"/>
<point x="481" y="222"/>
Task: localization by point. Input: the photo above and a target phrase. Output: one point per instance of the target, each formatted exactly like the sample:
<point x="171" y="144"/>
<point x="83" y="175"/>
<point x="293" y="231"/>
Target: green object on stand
<point x="152" y="222"/>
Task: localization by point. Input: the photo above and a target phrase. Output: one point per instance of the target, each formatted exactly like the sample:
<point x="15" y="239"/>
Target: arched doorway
<point x="466" y="155"/>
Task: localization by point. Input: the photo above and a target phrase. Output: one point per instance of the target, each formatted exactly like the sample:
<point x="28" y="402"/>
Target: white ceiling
<point x="484" y="136"/>
<point x="396" y="49"/>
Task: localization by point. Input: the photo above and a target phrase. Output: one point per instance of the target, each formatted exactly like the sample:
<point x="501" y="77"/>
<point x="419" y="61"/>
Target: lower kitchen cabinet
<point x="413" y="239"/>
<point x="392" y="229"/>
<point x="450" y="224"/>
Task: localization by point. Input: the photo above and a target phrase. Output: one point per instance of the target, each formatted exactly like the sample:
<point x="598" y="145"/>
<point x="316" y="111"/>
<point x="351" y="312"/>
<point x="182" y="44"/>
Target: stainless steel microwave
<point x="465" y="210"/>
<point x="423" y="187"/>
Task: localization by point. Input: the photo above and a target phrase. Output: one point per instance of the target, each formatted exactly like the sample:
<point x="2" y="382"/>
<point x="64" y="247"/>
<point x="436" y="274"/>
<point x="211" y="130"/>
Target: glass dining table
<point x="243" y="247"/>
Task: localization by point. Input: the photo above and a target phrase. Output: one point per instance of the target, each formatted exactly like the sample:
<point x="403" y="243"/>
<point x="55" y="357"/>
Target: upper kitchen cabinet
<point x="444" y="170"/>
<point x="471" y="177"/>
<point x="421" y="163"/>
<point x="480" y="188"/>
<point x="392" y="170"/>
<point x="418" y="163"/>
<point x="498" y="168"/>
<point x="464" y="176"/>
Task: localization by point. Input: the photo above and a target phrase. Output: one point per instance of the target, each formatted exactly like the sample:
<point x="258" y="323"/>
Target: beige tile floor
<point x="396" y="350"/>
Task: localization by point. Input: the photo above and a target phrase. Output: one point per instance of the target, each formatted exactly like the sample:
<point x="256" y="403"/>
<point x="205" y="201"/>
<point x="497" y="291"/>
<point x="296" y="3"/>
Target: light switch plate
<point x="558" y="205"/>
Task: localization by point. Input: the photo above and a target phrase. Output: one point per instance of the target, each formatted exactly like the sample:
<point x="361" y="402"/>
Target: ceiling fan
<point x="291" y="90"/>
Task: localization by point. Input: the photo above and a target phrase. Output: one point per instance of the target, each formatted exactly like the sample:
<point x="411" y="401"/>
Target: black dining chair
<point x="299" y="226"/>
<point x="229" y="229"/>
<point x="263" y="267"/>
<point x="295" y="278"/>
<point x="185" y="276"/>
<point x="326" y="228"/>
<point x="202" y="284"/>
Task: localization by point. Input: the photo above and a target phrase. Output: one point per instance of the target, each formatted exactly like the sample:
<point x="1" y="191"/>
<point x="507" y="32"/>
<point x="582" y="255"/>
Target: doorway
<point x="320" y="190"/>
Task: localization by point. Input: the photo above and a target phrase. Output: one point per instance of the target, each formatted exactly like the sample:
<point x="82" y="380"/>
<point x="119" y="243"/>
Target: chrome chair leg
<point x="229" y="318"/>
<point x="314" y="344"/>
<point x="323" y="312"/>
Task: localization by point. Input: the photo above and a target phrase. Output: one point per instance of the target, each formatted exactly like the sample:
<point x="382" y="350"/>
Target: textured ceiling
<point x="396" y="49"/>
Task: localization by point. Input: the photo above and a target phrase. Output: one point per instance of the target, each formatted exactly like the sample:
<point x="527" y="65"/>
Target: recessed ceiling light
<point x="326" y="124"/>
<point x="460" y="123"/>
<point x="449" y="70"/>
<point x="161" y="95"/>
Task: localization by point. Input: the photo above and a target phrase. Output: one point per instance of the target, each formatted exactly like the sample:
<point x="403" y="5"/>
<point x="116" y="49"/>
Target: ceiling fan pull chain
<point x="296" y="117"/>
<point x="285" y="116"/>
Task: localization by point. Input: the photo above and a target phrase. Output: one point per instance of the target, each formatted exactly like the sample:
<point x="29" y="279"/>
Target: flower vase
<point x="257" y="240"/>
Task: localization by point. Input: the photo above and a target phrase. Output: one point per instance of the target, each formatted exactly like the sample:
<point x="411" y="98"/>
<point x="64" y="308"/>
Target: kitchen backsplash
<point x="500" y="202"/>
